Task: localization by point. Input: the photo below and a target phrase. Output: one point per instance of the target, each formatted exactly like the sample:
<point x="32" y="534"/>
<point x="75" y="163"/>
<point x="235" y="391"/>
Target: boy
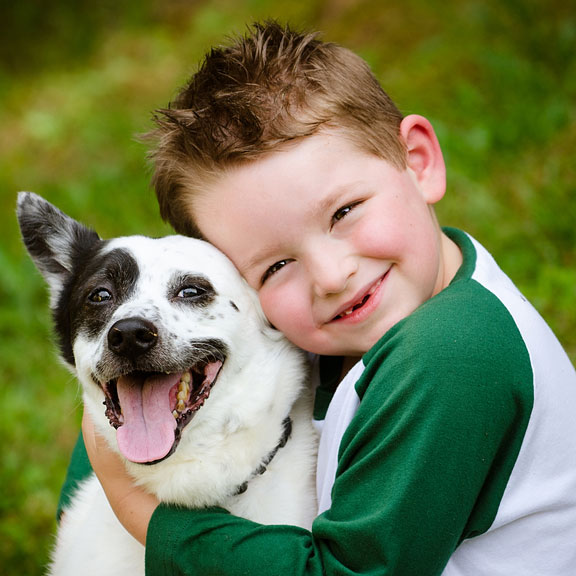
<point x="448" y="445"/>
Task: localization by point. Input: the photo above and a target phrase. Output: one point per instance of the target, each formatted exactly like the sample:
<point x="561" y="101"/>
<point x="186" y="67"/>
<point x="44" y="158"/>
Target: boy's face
<point x="340" y="245"/>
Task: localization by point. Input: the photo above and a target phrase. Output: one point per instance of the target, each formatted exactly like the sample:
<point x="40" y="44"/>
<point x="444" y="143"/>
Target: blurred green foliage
<point x="78" y="80"/>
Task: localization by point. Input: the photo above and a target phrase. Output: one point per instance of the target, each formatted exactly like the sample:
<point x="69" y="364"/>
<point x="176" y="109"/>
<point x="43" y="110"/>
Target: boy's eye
<point x="343" y="212"/>
<point x="273" y="269"/>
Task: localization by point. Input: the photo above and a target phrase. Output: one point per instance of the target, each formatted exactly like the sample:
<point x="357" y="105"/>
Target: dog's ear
<point x="54" y="241"/>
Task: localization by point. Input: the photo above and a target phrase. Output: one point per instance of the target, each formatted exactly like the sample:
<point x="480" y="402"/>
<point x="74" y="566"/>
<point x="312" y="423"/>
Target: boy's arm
<point x="392" y="513"/>
<point x="422" y="465"/>
<point x="405" y="496"/>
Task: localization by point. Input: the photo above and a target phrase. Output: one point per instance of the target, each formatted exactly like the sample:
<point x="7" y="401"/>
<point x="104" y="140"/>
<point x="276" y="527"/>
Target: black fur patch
<point x="41" y="224"/>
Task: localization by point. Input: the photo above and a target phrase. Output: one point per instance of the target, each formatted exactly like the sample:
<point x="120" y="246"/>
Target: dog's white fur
<point x="262" y="380"/>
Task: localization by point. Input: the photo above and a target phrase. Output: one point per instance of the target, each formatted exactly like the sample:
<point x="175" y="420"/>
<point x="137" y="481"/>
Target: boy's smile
<point x="359" y="307"/>
<point x="340" y="244"/>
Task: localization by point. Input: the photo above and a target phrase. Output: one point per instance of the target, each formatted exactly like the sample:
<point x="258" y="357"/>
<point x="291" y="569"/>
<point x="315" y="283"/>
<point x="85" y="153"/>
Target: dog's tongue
<point x="147" y="433"/>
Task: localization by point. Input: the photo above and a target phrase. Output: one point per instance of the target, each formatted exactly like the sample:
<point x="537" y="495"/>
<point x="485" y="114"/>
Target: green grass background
<point x="78" y="79"/>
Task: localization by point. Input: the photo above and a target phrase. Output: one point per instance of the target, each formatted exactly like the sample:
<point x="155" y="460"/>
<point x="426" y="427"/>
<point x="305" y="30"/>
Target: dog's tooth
<point x="182" y="394"/>
<point x="184" y="388"/>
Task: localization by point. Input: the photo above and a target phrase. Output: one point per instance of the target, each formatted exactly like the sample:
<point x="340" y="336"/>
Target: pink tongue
<point x="147" y="434"/>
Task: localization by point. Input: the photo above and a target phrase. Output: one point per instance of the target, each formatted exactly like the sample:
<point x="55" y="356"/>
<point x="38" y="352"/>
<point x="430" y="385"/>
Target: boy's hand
<point x="132" y="505"/>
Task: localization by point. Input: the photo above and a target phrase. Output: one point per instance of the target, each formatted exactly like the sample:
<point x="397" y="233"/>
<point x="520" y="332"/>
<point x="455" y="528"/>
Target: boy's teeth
<point x="360" y="304"/>
<point x="356" y="306"/>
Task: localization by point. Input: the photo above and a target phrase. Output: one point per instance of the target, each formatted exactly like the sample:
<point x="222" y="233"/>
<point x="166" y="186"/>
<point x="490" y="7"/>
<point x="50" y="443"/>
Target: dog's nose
<point x="132" y="337"/>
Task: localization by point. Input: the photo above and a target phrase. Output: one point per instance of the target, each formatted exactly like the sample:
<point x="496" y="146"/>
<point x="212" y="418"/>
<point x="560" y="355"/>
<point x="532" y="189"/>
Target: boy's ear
<point x="424" y="156"/>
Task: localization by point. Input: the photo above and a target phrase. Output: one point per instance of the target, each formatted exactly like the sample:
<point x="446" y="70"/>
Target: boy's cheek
<point x="285" y="313"/>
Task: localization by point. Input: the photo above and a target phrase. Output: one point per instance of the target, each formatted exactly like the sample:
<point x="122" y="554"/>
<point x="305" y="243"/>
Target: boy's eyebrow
<point x="332" y="200"/>
<point x="256" y="260"/>
<point x="327" y="202"/>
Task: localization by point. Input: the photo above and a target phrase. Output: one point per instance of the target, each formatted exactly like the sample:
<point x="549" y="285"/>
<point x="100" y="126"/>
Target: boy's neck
<point x="347" y="363"/>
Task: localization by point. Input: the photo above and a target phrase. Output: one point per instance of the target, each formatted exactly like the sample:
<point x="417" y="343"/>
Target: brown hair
<point x="267" y="88"/>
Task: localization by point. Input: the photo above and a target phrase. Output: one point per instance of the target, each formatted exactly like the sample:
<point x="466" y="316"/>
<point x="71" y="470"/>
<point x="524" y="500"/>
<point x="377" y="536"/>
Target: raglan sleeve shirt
<point x="444" y="402"/>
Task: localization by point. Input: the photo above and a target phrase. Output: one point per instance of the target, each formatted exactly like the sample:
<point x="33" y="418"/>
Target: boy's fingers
<point x="105" y="462"/>
<point x="89" y="433"/>
<point x="96" y="445"/>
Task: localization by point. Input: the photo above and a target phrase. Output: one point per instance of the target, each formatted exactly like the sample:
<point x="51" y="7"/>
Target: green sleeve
<point x="212" y="541"/>
<point x="78" y="469"/>
<point x="445" y="402"/>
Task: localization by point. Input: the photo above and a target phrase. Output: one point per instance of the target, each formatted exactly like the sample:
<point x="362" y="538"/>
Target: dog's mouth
<point x="150" y="409"/>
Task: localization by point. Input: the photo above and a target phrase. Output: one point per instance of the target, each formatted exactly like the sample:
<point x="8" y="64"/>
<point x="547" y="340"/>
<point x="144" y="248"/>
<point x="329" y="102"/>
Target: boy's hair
<point x="266" y="89"/>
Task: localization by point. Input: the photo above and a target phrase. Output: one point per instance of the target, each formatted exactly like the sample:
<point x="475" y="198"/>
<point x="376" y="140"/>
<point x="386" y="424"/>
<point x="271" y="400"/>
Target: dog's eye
<point x="191" y="292"/>
<point x="100" y="295"/>
<point x="191" y="289"/>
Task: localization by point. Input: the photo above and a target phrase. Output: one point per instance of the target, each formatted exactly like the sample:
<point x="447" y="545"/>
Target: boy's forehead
<point x="310" y="176"/>
<point x="295" y="161"/>
<point x="331" y="139"/>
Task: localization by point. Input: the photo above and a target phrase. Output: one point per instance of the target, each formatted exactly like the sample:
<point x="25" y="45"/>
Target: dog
<point x="207" y="404"/>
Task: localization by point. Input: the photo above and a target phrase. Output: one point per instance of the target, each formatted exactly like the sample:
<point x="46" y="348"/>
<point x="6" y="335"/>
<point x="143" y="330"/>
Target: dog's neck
<point x="287" y="430"/>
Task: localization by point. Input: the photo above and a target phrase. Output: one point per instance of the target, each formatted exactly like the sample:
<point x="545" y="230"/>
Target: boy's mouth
<point x="360" y="303"/>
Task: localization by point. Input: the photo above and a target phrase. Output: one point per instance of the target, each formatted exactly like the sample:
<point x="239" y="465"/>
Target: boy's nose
<point x="330" y="272"/>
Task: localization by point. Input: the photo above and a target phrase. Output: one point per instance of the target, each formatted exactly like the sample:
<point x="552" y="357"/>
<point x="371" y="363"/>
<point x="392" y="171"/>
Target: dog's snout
<point x="132" y="337"/>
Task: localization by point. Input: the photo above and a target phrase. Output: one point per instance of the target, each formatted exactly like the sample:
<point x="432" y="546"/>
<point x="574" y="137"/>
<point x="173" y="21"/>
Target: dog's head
<point x="146" y="323"/>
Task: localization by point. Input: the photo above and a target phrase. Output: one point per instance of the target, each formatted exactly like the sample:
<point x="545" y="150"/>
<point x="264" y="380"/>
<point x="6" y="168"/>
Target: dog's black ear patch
<point x="54" y="241"/>
<point x="60" y="247"/>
